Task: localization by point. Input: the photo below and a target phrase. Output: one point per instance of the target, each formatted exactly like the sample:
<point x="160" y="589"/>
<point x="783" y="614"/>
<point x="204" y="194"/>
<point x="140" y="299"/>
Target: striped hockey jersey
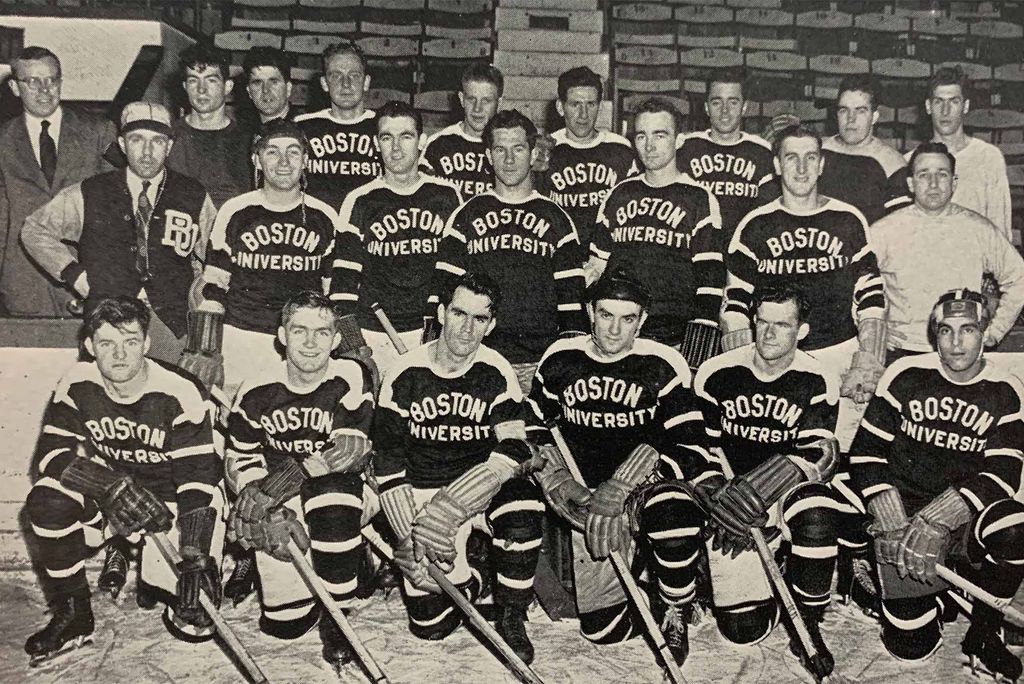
<point x="872" y="177"/>
<point x="456" y="156"/>
<point x="342" y="154"/>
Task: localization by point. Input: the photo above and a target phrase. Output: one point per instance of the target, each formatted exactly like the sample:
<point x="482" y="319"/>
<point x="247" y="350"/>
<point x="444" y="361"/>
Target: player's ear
<point x="462" y="100"/>
<point x="821" y="162"/>
<point x="336" y="341"/>
<point x="366" y="83"/>
<point x="13" y="83"/>
<point x="490" y="157"/>
<point x="928" y="105"/>
<point x="229" y="85"/>
<point x="256" y="162"/>
<point x="803" y="331"/>
<point x="280" y="335"/>
<point x="559" y="108"/>
<point x="967" y="106"/>
<point x="288" y="90"/>
<point x="643" y="319"/>
<point x="170" y="144"/>
<point x="421" y="143"/>
<point x="590" y="312"/>
<point x="490" y="326"/>
<point x="323" y="84"/>
<point x="910" y="183"/>
<point x="147" y="342"/>
<point x="874" y="117"/>
<point x="440" y="314"/>
<point x="89" y="347"/>
<point x="376" y="142"/>
<point x="777" y="166"/>
<point x="679" y="139"/>
<point x="120" y="143"/>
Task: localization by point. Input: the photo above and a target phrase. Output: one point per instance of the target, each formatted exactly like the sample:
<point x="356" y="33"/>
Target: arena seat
<point x="995" y="125"/>
<point x="810" y="115"/>
<point x="328" y="16"/>
<point x="880" y="35"/>
<point x="828" y="71"/>
<point x="704" y="20"/>
<point x="938" y="39"/>
<point x="822" y="32"/>
<point x="459" y="19"/>
<point x="647" y="69"/>
<point x="391" y="61"/>
<point x="307" y="49"/>
<point x="377" y="97"/>
<point x="901" y="82"/>
<point x="1008" y="85"/>
<point x="688" y="42"/>
<point x="777" y="75"/>
<point x="972" y="10"/>
<point x="268" y="15"/>
<point x="642" y="23"/>
<point x="749" y="44"/>
<point x="240" y="42"/>
<point x="765" y="23"/>
<point x="443" y="61"/>
<point x="995" y="42"/>
<point x="392" y="18"/>
<point x="754" y="4"/>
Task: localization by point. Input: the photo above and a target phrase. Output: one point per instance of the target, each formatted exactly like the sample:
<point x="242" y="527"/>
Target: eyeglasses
<point x="35" y="84"/>
<point x="339" y="77"/>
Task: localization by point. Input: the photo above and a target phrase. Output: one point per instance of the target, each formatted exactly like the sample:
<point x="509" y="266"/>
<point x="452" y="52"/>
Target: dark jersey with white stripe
<point x="342" y="154"/>
<point x="752" y="417"/>
<point x="873" y="178"/>
<point x="399" y="234"/>
<point x="606" y="407"/>
<point x="456" y="156"/>
<point x="531" y="249"/>
<point x="580" y="176"/>
<point x="432" y="427"/>
<point x="162" y="437"/>
<point x="740" y="174"/>
<point x="261" y="254"/>
<point x="923" y="433"/>
<point x="824" y="252"/>
<point x="273" y="420"/>
<point x="668" y="237"/>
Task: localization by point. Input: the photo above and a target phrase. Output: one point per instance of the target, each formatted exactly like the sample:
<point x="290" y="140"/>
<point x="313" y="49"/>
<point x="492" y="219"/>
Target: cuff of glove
<point x="736" y="338"/>
<point x="443" y="505"/>
<point x="886" y="508"/>
<point x="196" y="530"/>
<point x="865" y="360"/>
<point x="948" y="510"/>
<point x="92" y="479"/>
<point x="284" y="482"/>
<point x="638" y="466"/>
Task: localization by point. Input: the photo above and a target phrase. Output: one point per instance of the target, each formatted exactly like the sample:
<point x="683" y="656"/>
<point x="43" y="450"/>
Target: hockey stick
<point x="519" y="668"/>
<point x="171" y="555"/>
<point x="389" y="329"/>
<point x="626" y="577"/>
<point x="311" y="579"/>
<point x="775" y="575"/>
<point x="1004" y="606"/>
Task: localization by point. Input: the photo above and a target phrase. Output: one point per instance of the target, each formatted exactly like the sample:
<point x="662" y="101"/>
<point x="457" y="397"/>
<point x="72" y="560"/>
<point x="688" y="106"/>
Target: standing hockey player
<point x="771" y="411"/>
<point x="266" y="245"/>
<point x="734" y="166"/>
<point x="622" y="403"/>
<point x="297" y="446"/>
<point x="859" y="168"/>
<point x="936" y="245"/>
<point x="268" y="83"/>
<point x="585" y="163"/>
<point x="522" y="240"/>
<point x="342" y="154"/>
<point x="457" y="153"/>
<point x="937" y="460"/>
<point x="665" y="228"/>
<point x="449" y="442"/>
<point x="397" y="222"/>
<point x="126" y="444"/>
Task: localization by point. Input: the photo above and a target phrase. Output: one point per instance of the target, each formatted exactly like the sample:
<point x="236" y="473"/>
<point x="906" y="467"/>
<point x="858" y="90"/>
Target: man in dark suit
<point x="46" y="149"/>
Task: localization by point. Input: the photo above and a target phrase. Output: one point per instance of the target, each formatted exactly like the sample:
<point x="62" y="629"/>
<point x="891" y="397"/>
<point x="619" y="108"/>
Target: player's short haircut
<point x="117" y="311"/>
<point x="266" y="56"/>
<point x="482" y="72"/>
<point x="961" y="302"/>
<point x="279" y="128"/>
<point x="396" y="109"/>
<point x="509" y="118"/>
<point x="34" y="53"/>
<point x="931" y="147"/>
<point x="794" y="131"/>
<point x="580" y="77"/>
<point x="862" y="83"/>
<point x="477" y="283"/>
<point x="345" y="47"/>
<point x="732" y="75"/>
<point x="202" y="56"/>
<point x="780" y="294"/>
<point x="308" y="299"/>
<point x="659" y="105"/>
<point x="622" y="285"/>
<point x="950" y="75"/>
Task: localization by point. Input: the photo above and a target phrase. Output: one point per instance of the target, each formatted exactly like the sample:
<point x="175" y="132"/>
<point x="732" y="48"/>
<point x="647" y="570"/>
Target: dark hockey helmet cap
<point x="620" y="284"/>
<point x="960" y="303"/>
<point x="279" y="128"/>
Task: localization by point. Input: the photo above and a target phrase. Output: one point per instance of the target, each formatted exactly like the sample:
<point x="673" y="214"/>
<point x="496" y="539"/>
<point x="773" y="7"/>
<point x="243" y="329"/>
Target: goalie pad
<point x="700" y="342"/>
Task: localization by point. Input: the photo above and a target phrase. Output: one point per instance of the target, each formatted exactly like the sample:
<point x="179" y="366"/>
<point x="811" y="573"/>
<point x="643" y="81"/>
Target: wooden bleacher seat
<point x="443" y="61"/>
<point x="267" y="15"/>
<point x="828" y="71"/>
<point x="717" y="42"/>
<point x="701" y="65"/>
<point x="754" y="4"/>
<point x="646" y="69"/>
<point x="879" y="35"/>
<point x="902" y="82"/>
<point x="392" y="18"/>
<point x="377" y="97"/>
<point x="339" y="17"/>
<point x="391" y="61"/>
<point x="642" y="23"/>
<point x="704" y="20"/>
<point x="995" y="125"/>
<point x="823" y="32"/>
<point x="239" y="42"/>
<point x="938" y="39"/>
<point x="995" y="42"/>
<point x="459" y="19"/>
<point x="307" y="48"/>
<point x="748" y="44"/>
<point x="777" y="75"/>
<point x="1008" y="85"/>
<point x="765" y="23"/>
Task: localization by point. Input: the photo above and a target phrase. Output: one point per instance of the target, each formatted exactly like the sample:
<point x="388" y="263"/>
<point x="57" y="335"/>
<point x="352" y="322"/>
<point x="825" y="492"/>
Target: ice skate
<point x="336" y="649"/>
<point x="242" y="582"/>
<point x="512" y="629"/>
<point x="675" y="627"/>
<point x="988" y="655"/>
<point x="821" y="663"/>
<point x="70" y="627"/>
<point x="115" y="569"/>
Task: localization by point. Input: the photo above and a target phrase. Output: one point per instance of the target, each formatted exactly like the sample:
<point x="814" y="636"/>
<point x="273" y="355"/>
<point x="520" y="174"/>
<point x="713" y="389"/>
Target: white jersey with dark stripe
<point x="399" y="236"/>
<point x="342" y="154"/>
<point x="752" y="417"/>
<point x="261" y="254"/>
<point x="431" y="427"/>
<point x="668" y="237"/>
<point x="823" y="252"/>
<point x="163" y="436"/>
<point x="273" y="419"/>
<point x="871" y="177"/>
<point x="923" y="433"/>
<point x="605" y="407"/>
<point x="531" y="249"/>
<point x="456" y="156"/>
<point x="740" y="174"/>
<point x="580" y="175"/>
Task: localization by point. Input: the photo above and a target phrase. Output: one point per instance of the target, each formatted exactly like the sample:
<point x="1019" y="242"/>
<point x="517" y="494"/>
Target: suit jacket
<point x="25" y="288"/>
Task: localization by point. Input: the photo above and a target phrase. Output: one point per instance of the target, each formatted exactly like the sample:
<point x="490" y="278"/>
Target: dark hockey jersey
<point x="751" y="417"/>
<point x="606" y="407"/>
<point x="260" y="255"/>
<point x="669" y="238"/>
<point x="432" y="427"/>
<point x="824" y="252"/>
<point x="740" y="175"/>
<point x="923" y="433"/>
<point x="580" y="176"/>
<point x="531" y="249"/>
<point x="456" y="156"/>
<point x="342" y="154"/>
<point x="873" y="178"/>
<point x="162" y="437"/>
<point x="272" y="420"/>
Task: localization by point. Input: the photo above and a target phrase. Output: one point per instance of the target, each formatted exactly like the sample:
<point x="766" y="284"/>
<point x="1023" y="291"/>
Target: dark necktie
<point x="142" y="217"/>
<point x="47" y="152"/>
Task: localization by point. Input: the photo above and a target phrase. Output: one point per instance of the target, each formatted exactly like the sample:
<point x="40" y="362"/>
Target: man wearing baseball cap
<point x="141" y="231"/>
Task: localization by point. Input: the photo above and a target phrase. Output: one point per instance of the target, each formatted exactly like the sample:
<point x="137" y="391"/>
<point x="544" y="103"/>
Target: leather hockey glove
<point x="607" y="530"/>
<point x="414" y="570"/>
<point x="888" y="524"/>
<point x="347" y="453"/>
<point x="567" y="497"/>
<point x="736" y="338"/>
<point x="542" y="153"/>
<point x="701" y="341"/>
<point x="399" y="508"/>
<point x="127" y="506"/>
<point x="280" y="527"/>
<point x="202" y="355"/>
<point x="257" y="498"/>
<point x="926" y="539"/>
<point x="861" y="379"/>
<point x="197" y="570"/>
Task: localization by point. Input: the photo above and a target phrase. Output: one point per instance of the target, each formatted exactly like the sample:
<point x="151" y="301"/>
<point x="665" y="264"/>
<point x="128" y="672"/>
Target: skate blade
<point x="78" y="642"/>
<point x="978" y="670"/>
